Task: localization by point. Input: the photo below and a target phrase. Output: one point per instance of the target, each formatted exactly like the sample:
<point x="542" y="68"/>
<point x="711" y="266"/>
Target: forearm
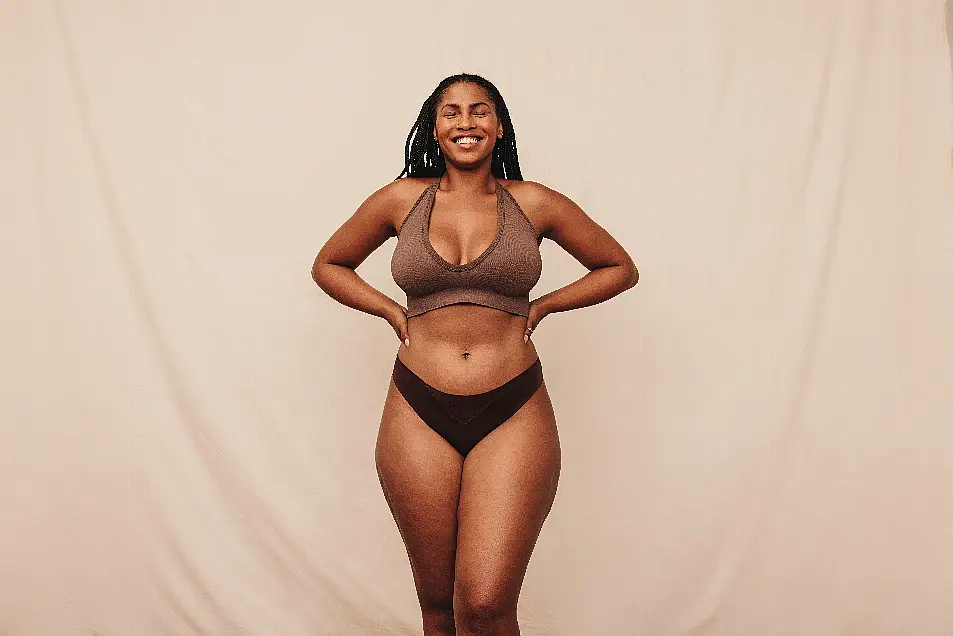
<point x="344" y="285"/>
<point x="595" y="287"/>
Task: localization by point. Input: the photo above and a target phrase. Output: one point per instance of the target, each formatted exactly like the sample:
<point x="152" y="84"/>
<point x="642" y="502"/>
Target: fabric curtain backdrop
<point x="757" y="439"/>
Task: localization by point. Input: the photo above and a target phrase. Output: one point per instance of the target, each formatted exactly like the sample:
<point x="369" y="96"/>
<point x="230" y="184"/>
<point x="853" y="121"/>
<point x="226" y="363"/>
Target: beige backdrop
<point x="758" y="438"/>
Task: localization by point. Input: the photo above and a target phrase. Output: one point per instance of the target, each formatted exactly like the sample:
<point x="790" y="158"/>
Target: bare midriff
<point x="467" y="349"/>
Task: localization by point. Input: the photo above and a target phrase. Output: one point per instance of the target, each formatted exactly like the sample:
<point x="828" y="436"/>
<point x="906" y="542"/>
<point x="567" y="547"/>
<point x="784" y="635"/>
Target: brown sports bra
<point x="501" y="277"/>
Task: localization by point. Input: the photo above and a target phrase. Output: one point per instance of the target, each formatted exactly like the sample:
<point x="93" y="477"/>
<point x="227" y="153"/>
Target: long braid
<point x="422" y="156"/>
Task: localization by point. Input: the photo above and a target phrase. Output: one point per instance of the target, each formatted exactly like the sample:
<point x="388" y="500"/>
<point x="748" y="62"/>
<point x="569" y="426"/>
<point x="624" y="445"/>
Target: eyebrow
<point x="473" y="105"/>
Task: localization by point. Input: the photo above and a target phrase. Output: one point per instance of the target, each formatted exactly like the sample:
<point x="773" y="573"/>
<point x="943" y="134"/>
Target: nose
<point x="465" y="122"/>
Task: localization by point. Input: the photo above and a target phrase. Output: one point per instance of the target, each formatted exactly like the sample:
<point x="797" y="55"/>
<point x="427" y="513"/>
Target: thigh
<point x="508" y="486"/>
<point x="420" y="476"/>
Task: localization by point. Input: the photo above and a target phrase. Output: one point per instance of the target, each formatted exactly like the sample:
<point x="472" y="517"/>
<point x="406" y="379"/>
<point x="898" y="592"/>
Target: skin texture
<point x="470" y="525"/>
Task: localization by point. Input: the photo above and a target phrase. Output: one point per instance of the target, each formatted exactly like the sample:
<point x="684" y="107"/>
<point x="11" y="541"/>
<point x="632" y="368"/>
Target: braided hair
<point x="422" y="155"/>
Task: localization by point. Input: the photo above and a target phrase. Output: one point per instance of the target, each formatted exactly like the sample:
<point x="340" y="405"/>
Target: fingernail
<point x="525" y="338"/>
<point x="407" y="342"/>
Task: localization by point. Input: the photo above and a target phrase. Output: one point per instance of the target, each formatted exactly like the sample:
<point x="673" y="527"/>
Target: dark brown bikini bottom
<point x="464" y="420"/>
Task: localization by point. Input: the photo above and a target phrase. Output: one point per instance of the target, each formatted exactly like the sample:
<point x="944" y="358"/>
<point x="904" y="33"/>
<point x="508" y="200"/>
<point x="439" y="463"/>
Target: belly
<point x="467" y="349"/>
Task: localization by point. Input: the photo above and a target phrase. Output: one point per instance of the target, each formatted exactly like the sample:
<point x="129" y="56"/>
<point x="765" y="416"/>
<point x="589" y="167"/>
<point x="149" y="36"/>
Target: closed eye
<point x="475" y="114"/>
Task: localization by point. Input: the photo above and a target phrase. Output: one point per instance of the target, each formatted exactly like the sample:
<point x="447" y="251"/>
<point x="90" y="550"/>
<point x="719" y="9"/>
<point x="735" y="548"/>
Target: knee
<point x="484" y="613"/>
<point x="438" y="617"/>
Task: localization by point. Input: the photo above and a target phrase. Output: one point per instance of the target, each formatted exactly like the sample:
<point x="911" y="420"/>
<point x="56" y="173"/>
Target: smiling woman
<point x="467" y="452"/>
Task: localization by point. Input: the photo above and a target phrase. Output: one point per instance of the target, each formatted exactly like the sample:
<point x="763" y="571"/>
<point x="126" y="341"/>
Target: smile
<point x="468" y="141"/>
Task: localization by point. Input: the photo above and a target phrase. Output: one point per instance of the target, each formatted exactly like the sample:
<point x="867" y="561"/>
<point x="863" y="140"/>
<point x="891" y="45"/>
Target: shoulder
<point x="402" y="191"/>
<point x="393" y="201"/>
<point x="542" y="204"/>
<point x="532" y="192"/>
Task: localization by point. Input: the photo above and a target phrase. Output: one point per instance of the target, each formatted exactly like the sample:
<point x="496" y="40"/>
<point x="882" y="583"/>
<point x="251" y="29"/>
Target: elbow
<point x="325" y="273"/>
<point x="631" y="275"/>
<point x="317" y="270"/>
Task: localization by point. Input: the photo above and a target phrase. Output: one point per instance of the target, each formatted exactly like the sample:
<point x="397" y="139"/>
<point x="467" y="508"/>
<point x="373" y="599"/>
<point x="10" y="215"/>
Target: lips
<point x="467" y="141"/>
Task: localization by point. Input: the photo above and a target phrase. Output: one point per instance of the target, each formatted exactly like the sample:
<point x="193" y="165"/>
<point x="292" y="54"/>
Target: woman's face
<point x="466" y="125"/>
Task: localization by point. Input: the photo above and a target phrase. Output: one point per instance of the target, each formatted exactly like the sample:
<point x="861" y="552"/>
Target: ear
<point x="499" y="131"/>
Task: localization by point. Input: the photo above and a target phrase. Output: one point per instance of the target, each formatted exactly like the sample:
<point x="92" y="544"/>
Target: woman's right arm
<point x="367" y="229"/>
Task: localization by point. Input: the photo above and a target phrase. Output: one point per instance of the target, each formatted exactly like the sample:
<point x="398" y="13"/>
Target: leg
<point x="508" y="486"/>
<point x="420" y="476"/>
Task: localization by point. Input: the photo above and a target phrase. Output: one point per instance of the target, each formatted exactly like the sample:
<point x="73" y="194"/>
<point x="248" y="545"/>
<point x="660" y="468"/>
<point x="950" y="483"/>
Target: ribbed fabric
<point x="501" y="277"/>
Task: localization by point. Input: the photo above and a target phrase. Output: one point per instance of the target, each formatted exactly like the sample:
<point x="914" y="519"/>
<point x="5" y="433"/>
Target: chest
<point x="462" y="230"/>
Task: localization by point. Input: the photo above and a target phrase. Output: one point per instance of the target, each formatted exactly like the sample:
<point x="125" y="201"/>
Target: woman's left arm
<point x="611" y="269"/>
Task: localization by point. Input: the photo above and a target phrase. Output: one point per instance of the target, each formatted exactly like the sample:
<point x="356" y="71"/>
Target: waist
<point x="467" y="349"/>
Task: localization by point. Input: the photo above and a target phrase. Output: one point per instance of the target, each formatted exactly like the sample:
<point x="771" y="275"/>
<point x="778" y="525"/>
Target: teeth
<point x="467" y="140"/>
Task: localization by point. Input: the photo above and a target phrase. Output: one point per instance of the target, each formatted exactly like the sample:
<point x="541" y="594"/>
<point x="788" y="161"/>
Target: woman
<point x="467" y="452"/>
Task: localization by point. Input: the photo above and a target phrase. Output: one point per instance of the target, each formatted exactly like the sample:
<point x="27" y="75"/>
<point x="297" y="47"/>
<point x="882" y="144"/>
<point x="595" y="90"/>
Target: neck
<point x="476" y="180"/>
